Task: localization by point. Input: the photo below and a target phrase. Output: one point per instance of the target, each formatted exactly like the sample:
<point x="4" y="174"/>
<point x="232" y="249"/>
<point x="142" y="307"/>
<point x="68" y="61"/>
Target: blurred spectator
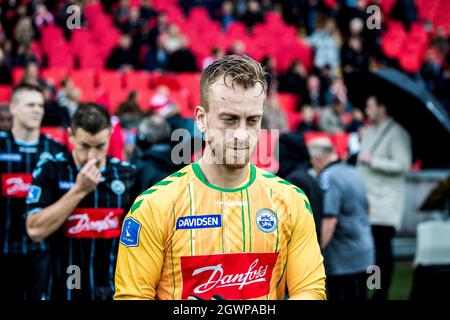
<point x="226" y="15"/>
<point x="353" y="56"/>
<point x="357" y="121"/>
<point x="337" y="89"/>
<point x="174" y="39"/>
<point x="273" y="117"/>
<point x="122" y="13"/>
<point x="326" y="77"/>
<point x="121" y="57"/>
<point x="430" y="72"/>
<point x="294" y="80"/>
<point x="253" y="15"/>
<point x="237" y="47"/>
<point x="157" y="56"/>
<point x="31" y="76"/>
<point x="294" y="167"/>
<point x="129" y="111"/>
<point x="42" y="16"/>
<point x="182" y="59"/>
<point x="314" y="95"/>
<point x="68" y="96"/>
<point x="346" y="238"/>
<point x="440" y="41"/>
<point x="270" y="66"/>
<point x="331" y="117"/>
<point x="384" y="160"/>
<point x="133" y="24"/>
<point x="355" y="129"/>
<point x="161" y="26"/>
<point x="5" y="71"/>
<point x="5" y="118"/>
<point x="356" y="27"/>
<point x="24" y="32"/>
<point x="161" y="104"/>
<point x="24" y="56"/>
<point x="405" y="11"/>
<point x="147" y="11"/>
<point x="308" y="116"/>
<point x="325" y="44"/>
<point x="216" y="54"/>
<point x="240" y="8"/>
<point x="152" y="155"/>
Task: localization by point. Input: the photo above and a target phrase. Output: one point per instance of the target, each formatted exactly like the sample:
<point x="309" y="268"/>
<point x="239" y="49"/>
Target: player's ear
<point x="200" y="118"/>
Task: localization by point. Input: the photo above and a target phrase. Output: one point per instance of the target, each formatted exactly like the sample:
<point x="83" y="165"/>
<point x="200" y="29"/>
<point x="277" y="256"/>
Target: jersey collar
<point x="199" y="174"/>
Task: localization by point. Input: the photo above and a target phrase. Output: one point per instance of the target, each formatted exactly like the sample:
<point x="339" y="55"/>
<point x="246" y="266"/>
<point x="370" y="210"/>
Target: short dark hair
<point x="240" y="70"/>
<point x="91" y="117"/>
<point x="25" y="87"/>
<point x="381" y="101"/>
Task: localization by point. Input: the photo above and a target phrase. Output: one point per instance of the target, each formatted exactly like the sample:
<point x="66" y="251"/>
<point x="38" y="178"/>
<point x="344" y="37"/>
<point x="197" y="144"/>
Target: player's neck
<point x="22" y="134"/>
<point x="222" y="176"/>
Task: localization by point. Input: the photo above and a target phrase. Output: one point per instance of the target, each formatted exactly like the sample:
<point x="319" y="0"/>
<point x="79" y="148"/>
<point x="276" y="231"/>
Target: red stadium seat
<point x="410" y="62"/>
<point x="17" y="75"/>
<point x="5" y="93"/>
<point x="55" y="74"/>
<point x="110" y="80"/>
<point x="83" y="78"/>
<point x="191" y="82"/>
<point x="58" y="134"/>
<point x="288" y="101"/>
<point x="135" y="80"/>
<point x="144" y="96"/>
<point x="115" y="98"/>
<point x="169" y="80"/>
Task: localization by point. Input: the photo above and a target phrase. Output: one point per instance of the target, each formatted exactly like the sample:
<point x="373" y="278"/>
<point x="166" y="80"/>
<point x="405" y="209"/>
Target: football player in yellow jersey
<point x="221" y="226"/>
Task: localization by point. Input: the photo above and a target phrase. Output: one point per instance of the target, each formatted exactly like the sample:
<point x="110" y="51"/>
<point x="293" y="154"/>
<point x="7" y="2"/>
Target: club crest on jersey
<point x="118" y="187"/>
<point x="130" y="233"/>
<point x="266" y="220"/>
<point x="200" y="222"/>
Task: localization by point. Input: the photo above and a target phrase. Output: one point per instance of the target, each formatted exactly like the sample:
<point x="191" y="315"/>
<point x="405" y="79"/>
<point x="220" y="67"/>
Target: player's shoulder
<point x="168" y="189"/>
<point x="122" y="167"/>
<point x="277" y="184"/>
<point x="4" y="136"/>
<point x="49" y="164"/>
<point x="55" y="146"/>
<point x="293" y="195"/>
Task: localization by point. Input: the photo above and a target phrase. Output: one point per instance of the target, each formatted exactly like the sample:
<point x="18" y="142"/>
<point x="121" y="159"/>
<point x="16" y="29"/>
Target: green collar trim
<point x="198" y="172"/>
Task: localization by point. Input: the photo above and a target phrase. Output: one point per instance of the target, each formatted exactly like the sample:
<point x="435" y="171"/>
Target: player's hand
<point x="214" y="297"/>
<point x="89" y="177"/>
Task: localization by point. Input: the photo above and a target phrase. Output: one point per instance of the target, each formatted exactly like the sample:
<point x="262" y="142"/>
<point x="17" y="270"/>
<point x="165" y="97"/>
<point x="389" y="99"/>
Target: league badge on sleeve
<point x="34" y="194"/>
<point x="130" y="233"/>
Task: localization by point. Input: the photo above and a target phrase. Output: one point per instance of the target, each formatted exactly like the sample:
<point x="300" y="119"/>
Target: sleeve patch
<point x="34" y="194"/>
<point x="130" y="233"/>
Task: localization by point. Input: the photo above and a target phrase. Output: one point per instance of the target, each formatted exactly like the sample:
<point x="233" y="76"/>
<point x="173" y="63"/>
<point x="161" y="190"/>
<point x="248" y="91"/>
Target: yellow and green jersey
<point x="185" y="236"/>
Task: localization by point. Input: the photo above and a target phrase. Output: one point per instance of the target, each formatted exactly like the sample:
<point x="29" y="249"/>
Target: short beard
<point x="223" y="160"/>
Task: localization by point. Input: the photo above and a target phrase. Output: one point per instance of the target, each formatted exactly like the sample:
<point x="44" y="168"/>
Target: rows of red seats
<point x="112" y="88"/>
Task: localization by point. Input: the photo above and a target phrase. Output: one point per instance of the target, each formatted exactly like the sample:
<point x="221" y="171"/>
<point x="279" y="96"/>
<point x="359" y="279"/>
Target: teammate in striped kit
<point x="20" y="151"/>
<point x="220" y="227"/>
<point x="77" y="202"/>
